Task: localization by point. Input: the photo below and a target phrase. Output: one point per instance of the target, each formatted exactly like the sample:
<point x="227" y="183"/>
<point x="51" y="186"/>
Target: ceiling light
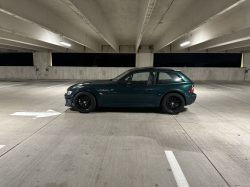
<point x="66" y="44"/>
<point x="185" y="43"/>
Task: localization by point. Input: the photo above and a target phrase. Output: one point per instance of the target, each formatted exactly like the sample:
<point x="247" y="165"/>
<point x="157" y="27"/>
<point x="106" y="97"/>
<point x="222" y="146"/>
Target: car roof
<point x="153" y="68"/>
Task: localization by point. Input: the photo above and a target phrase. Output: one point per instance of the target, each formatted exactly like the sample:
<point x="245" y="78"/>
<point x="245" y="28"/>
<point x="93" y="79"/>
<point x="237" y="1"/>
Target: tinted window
<point x="165" y="78"/>
<point x="143" y="78"/>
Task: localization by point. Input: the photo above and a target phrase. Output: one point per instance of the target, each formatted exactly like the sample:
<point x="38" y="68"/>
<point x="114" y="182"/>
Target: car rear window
<point x="167" y="77"/>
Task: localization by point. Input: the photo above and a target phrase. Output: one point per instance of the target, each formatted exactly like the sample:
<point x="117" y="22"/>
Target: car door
<point x="136" y="88"/>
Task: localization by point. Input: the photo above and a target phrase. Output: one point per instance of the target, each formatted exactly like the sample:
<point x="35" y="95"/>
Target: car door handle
<point x="148" y="89"/>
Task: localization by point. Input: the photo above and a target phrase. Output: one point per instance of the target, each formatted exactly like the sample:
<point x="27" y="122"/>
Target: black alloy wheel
<point x="173" y="103"/>
<point x="84" y="102"/>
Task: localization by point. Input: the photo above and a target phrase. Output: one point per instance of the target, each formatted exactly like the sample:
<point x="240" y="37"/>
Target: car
<point x="139" y="87"/>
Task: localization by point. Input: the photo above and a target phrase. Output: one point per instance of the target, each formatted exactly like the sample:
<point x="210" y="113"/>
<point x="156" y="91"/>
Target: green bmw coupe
<point x="140" y="87"/>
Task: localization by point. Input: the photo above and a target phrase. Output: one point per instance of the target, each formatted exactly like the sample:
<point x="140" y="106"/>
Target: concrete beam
<point x="2" y="46"/>
<point x="122" y="49"/>
<point x="239" y="36"/>
<point x="88" y="11"/>
<point x="21" y="45"/>
<point x="230" y="28"/>
<point x="236" y="45"/>
<point x="203" y="11"/>
<point x="9" y="38"/>
<point x="11" y="24"/>
<point x="237" y="50"/>
<point x="2" y="50"/>
<point x="147" y="7"/>
<point x="33" y="12"/>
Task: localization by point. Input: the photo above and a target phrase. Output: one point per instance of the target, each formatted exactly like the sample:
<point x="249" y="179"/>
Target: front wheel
<point x="173" y="103"/>
<point x="84" y="102"/>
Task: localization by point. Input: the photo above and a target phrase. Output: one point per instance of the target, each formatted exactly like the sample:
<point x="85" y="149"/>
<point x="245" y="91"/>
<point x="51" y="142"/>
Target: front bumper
<point x="68" y="100"/>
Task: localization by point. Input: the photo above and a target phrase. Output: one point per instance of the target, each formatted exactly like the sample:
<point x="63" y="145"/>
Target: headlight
<point x="69" y="92"/>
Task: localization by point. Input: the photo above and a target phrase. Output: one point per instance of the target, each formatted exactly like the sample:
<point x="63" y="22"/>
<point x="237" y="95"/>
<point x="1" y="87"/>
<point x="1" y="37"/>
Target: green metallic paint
<point x="116" y="94"/>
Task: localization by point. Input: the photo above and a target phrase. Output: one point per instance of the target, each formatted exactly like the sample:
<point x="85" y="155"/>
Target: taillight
<point x="192" y="89"/>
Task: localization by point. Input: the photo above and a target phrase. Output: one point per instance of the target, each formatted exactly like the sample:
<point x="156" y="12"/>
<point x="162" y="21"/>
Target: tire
<point x="84" y="102"/>
<point x="173" y="103"/>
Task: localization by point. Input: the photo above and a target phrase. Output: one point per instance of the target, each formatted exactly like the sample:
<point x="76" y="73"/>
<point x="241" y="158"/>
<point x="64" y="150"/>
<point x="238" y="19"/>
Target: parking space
<point x="115" y="147"/>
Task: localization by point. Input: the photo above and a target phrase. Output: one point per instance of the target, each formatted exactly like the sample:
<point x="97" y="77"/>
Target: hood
<point x="96" y="82"/>
<point x="89" y="83"/>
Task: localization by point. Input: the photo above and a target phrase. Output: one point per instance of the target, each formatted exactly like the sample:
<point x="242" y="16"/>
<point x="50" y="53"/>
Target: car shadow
<point x="126" y="110"/>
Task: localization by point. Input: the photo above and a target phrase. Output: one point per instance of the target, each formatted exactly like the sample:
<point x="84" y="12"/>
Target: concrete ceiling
<point x="122" y="16"/>
<point x="39" y="25"/>
<point x="166" y="14"/>
<point x="61" y="9"/>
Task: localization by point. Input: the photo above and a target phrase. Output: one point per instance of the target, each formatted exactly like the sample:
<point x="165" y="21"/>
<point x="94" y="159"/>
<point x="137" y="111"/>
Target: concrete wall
<point x="18" y="72"/>
<point x="27" y="72"/>
<point x="213" y="73"/>
<point x="85" y="72"/>
<point x="111" y="72"/>
<point x="246" y="64"/>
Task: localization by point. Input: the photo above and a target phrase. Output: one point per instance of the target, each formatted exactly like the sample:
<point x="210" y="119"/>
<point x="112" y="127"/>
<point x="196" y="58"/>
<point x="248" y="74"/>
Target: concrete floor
<point x="124" y="147"/>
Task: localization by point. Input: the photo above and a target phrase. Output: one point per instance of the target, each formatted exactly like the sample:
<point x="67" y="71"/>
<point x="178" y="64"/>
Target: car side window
<point x="143" y="78"/>
<point x="127" y="79"/>
<point x="167" y="77"/>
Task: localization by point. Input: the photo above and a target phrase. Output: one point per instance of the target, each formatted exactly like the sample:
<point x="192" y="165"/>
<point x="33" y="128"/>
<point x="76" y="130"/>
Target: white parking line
<point x="1" y="146"/>
<point x="223" y="86"/>
<point x="178" y="174"/>
<point x="60" y="84"/>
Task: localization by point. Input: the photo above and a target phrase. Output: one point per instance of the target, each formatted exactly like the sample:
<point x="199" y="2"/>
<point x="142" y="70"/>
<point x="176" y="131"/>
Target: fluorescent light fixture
<point x="66" y="44"/>
<point x="185" y="43"/>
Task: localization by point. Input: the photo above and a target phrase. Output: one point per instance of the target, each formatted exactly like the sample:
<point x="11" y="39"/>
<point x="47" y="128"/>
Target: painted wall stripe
<point x="178" y="174"/>
<point x="1" y="146"/>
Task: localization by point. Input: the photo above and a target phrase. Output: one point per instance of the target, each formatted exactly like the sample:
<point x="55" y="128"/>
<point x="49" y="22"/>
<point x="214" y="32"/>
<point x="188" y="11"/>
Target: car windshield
<point x="120" y="76"/>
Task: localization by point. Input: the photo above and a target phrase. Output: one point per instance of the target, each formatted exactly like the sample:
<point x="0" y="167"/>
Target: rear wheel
<point x="173" y="103"/>
<point x="84" y="102"/>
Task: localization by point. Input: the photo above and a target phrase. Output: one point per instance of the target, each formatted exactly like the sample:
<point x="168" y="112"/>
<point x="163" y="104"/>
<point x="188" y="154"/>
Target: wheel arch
<point x="174" y="92"/>
<point x="89" y="91"/>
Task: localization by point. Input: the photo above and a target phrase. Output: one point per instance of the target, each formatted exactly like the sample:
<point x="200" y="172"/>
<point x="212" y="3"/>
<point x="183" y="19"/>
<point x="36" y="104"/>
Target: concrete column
<point x="42" y="61"/>
<point x="246" y="64"/>
<point x="144" y="57"/>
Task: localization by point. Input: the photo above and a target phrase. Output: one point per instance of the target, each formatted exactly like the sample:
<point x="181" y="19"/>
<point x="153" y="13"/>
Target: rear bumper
<point x="68" y="100"/>
<point x="190" y="98"/>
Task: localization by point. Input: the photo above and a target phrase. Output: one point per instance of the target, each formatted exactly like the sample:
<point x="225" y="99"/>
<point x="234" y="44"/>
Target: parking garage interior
<point x="48" y="46"/>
